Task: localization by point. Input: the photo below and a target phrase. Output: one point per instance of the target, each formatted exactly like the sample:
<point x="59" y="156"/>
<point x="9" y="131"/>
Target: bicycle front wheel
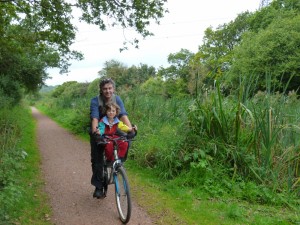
<point x="122" y="193"/>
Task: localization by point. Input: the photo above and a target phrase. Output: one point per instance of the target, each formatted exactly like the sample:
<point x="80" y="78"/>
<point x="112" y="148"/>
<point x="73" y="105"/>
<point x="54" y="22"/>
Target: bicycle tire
<point x="122" y="194"/>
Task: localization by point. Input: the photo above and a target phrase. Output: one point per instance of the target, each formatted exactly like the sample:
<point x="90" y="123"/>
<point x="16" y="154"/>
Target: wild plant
<point x="254" y="139"/>
<point x="10" y="160"/>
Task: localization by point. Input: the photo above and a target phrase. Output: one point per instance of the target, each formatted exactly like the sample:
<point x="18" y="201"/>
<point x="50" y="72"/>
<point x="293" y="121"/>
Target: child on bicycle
<point x="110" y="125"/>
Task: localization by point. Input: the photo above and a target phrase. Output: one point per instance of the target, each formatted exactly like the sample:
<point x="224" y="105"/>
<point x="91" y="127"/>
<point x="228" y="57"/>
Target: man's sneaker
<point x="98" y="193"/>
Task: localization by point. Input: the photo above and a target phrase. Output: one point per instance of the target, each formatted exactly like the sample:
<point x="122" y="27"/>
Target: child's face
<point x="111" y="113"/>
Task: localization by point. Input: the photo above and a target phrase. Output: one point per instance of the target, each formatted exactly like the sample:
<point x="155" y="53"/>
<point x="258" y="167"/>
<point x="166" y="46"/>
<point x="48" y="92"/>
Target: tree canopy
<point x="127" y="78"/>
<point x="259" y="44"/>
<point x="36" y="35"/>
<point x="272" y="52"/>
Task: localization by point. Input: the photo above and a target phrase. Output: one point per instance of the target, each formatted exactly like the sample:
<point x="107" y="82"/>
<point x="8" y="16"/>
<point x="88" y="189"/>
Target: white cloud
<point x="183" y="28"/>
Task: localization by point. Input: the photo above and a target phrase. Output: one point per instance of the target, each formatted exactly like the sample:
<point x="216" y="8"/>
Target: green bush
<point x="10" y="92"/>
<point x="93" y="88"/>
<point x="222" y="144"/>
<point x="11" y="160"/>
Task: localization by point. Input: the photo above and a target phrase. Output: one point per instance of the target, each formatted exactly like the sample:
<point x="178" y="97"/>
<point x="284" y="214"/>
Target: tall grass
<point x="20" y="185"/>
<point x="9" y="156"/>
<point x="73" y="113"/>
<point x="257" y="139"/>
<point x="246" y="144"/>
<point x="161" y="127"/>
<point x="277" y="141"/>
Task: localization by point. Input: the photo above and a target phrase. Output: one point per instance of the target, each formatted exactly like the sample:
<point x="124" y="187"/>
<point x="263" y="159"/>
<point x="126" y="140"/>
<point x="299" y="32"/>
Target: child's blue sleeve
<point x="101" y="127"/>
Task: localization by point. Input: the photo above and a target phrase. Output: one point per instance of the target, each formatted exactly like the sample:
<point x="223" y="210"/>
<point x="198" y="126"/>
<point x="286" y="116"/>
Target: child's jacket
<point x="107" y="129"/>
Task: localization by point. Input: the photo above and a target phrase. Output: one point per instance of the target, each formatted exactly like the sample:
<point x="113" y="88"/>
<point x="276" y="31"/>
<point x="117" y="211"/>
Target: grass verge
<point x="32" y="208"/>
<point x="172" y="204"/>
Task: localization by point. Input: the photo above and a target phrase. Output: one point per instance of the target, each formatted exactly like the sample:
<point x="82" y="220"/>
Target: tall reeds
<point x="247" y="136"/>
<point x="256" y="137"/>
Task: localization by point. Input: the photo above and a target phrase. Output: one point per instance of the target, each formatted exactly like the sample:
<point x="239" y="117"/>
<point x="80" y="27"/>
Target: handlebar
<point x="105" y="139"/>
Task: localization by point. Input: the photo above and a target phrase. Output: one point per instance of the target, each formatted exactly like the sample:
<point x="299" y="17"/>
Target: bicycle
<point x="114" y="173"/>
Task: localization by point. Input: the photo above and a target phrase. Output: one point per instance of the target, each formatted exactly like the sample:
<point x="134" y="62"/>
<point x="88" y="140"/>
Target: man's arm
<point x="94" y="113"/>
<point x="126" y="121"/>
<point x="95" y="122"/>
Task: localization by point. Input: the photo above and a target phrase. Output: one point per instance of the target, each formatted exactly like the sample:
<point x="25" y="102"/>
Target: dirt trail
<point x="66" y="168"/>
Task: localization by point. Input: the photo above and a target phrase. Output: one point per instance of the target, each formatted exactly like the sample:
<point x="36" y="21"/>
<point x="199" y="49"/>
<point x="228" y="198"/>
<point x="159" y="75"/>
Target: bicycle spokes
<point x="122" y="195"/>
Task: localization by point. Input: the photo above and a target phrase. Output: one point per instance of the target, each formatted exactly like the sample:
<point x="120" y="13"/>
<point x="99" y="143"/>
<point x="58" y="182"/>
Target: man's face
<point x="108" y="90"/>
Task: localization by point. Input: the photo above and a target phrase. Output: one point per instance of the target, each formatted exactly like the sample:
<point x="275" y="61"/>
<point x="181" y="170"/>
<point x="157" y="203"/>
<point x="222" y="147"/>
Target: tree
<point x="218" y="57"/>
<point x="126" y="78"/>
<point x="136" y="75"/>
<point x="179" y="65"/>
<point x="36" y="35"/>
<point x="198" y="73"/>
<point x="153" y="86"/>
<point x="216" y="51"/>
<point x="135" y="14"/>
<point x="177" y="75"/>
<point x="115" y="70"/>
<point x="273" y="51"/>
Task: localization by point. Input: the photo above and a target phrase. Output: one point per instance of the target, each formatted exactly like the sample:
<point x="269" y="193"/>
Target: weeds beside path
<point x="67" y="171"/>
<point x="168" y="202"/>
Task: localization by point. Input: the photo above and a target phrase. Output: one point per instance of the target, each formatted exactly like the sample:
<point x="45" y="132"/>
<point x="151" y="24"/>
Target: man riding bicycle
<point x="97" y="110"/>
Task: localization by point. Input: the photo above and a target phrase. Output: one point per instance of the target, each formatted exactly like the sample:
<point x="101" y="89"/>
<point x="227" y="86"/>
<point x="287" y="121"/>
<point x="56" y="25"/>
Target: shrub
<point x="10" y="158"/>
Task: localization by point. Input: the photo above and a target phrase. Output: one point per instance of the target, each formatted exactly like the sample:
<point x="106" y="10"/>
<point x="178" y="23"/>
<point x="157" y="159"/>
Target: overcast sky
<point x="182" y="28"/>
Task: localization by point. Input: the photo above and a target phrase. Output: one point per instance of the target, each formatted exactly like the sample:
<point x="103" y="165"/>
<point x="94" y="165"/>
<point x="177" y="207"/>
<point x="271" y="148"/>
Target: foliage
<point x="254" y="44"/>
<point x="93" y="88"/>
<point x="46" y="89"/>
<point x="137" y="75"/>
<point x="238" y="137"/>
<point x="57" y="92"/>
<point x="153" y="86"/>
<point x="228" y="129"/>
<point x="229" y="139"/>
<point x="252" y="140"/>
<point x="215" y="54"/>
<point x="21" y="196"/>
<point x="271" y="51"/>
<point x="179" y="65"/>
<point x="134" y="14"/>
<point x="115" y="70"/>
<point x="10" y="92"/>
<point x="124" y="77"/>
<point x="73" y="113"/>
<point x="37" y="35"/>
<point x="177" y="75"/>
<point x="181" y="204"/>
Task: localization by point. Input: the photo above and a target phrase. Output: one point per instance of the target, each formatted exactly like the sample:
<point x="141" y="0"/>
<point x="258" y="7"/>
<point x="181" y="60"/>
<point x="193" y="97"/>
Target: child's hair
<point x="110" y="105"/>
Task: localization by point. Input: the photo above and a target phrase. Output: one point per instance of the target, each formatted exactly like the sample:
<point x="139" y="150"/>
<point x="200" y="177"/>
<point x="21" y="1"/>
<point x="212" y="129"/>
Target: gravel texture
<point x="66" y="168"/>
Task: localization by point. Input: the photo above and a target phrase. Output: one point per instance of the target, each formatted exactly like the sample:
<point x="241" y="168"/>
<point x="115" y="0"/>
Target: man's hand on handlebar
<point x="99" y="139"/>
<point x="134" y="127"/>
<point x="133" y="133"/>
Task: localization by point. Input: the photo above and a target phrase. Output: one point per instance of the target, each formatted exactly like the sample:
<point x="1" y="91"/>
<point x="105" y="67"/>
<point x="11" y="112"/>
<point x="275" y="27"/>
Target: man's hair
<point x="106" y="81"/>
<point x="110" y="105"/>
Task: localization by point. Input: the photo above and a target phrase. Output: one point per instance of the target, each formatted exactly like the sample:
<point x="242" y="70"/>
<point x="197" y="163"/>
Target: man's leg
<point x="97" y="167"/>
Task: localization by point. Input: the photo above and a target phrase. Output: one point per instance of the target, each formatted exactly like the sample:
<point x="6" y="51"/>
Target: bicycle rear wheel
<point x="122" y="194"/>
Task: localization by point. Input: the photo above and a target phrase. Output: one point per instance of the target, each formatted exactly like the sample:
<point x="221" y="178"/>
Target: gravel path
<point x="66" y="168"/>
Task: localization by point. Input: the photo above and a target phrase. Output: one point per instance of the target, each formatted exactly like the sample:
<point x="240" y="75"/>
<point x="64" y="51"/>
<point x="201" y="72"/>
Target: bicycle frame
<point x="117" y="162"/>
<point x="118" y="177"/>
